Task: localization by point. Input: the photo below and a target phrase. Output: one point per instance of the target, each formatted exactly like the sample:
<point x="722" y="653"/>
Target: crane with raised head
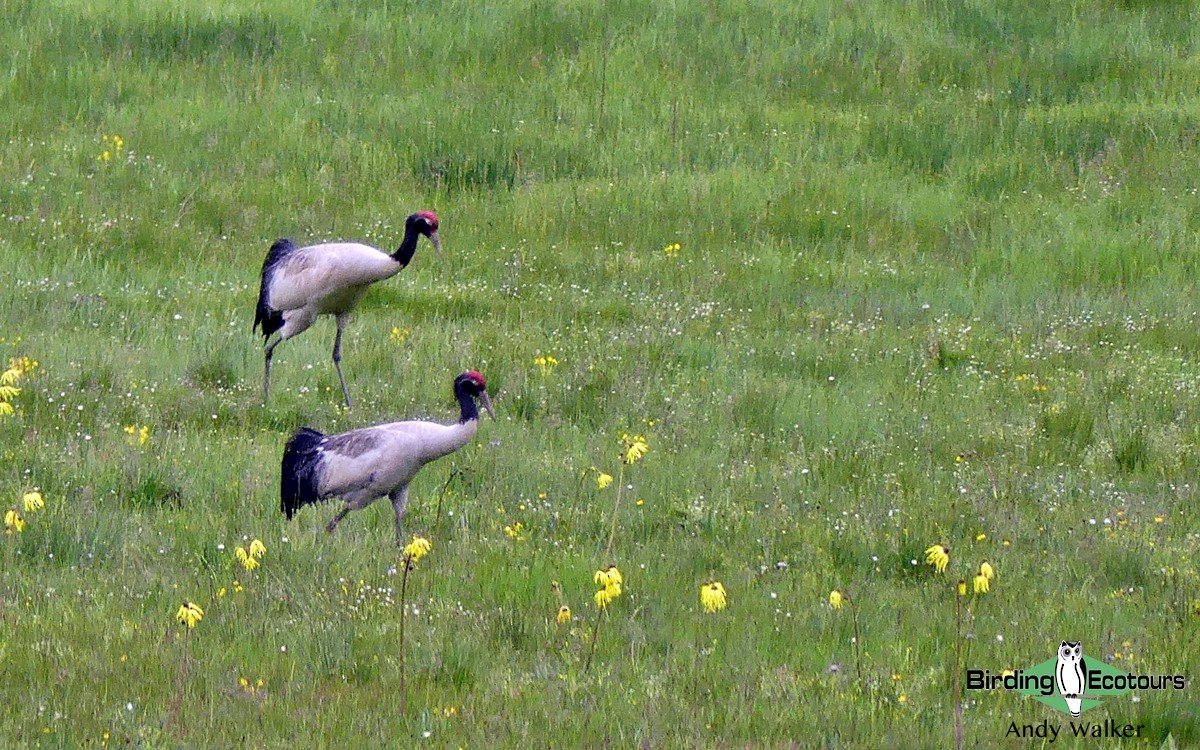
<point x="301" y="283"/>
<point x="361" y="466"/>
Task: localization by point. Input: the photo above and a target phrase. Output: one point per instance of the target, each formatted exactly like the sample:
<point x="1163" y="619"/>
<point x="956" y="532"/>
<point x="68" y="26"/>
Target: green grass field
<point x="934" y="283"/>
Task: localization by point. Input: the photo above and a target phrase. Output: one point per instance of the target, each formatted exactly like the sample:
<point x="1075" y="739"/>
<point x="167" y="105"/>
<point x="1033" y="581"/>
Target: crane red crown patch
<point x="477" y="377"/>
<point x="429" y="216"/>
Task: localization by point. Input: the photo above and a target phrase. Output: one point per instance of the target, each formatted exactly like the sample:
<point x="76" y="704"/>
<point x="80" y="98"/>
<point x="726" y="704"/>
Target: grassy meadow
<point x="867" y="276"/>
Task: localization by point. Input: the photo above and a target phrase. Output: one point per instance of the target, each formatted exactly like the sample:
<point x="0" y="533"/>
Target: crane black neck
<point x="470" y="410"/>
<point x="408" y="246"/>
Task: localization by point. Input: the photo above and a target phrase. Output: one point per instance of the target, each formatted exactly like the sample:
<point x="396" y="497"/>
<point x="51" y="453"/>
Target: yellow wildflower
<point x="673" y="248"/>
<point x="981" y="583"/>
<point x="248" y="561"/>
<point x="417" y="548"/>
<point x="399" y="334"/>
<point x="986" y="570"/>
<point x="13" y="521"/>
<point x="257" y="548"/>
<point x="516" y="532"/>
<point x="6" y="409"/>
<point x="564" y="615"/>
<point x="609" y="576"/>
<point x="962" y="587"/>
<point x="189" y="614"/>
<point x="712" y="596"/>
<point x="836" y="598"/>
<point x="609" y="580"/>
<point x="33" y="501"/>
<point x="546" y="363"/>
<point x="603" y="480"/>
<point x="9" y="392"/>
<point x="607" y="594"/>
<point x="635" y="448"/>
<point x="938" y="556"/>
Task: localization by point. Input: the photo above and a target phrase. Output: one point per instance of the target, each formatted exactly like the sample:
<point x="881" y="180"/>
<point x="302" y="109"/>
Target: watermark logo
<point x="1072" y="682"/>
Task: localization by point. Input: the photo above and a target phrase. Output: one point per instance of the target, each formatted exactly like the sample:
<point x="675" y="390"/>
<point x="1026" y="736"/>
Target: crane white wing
<point x="337" y="271"/>
<point x="388" y="456"/>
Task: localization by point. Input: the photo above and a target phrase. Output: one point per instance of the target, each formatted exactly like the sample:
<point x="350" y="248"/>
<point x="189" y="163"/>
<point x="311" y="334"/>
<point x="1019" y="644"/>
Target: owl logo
<point x="1068" y="674"/>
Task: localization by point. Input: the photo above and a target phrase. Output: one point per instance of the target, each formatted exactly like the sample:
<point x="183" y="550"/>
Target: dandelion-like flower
<point x="13" y="522"/>
<point x="635" y="448"/>
<point x="836" y="599"/>
<point x="981" y="584"/>
<point x="712" y="596"/>
<point x="546" y="363"/>
<point x="516" y="532"/>
<point x="986" y="570"/>
<point x="8" y="385"/>
<point x="33" y="502"/>
<point x="257" y="548"/>
<point x="938" y="556"/>
<point x="564" y="615"/>
<point x="417" y="548"/>
<point x="962" y="587"/>
<point x="189" y="614"/>
<point x="399" y="335"/>
<point x="248" y="560"/>
<point x="609" y="576"/>
<point x="673" y="248"/>
<point x="610" y="581"/>
<point x="603" y="480"/>
<point x="606" y="595"/>
<point x="138" y="435"/>
<point x="18" y="367"/>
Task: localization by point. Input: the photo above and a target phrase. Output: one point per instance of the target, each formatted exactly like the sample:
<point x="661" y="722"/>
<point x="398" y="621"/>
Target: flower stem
<point x="403" y="608"/>
<point x="595" y="633"/>
<point x="958" y="727"/>
<point x="183" y="668"/>
<point x="857" y="641"/>
<point x="612" y="534"/>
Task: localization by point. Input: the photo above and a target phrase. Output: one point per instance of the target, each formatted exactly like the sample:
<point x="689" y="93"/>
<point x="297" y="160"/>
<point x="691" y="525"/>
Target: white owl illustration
<point x="1069" y="675"/>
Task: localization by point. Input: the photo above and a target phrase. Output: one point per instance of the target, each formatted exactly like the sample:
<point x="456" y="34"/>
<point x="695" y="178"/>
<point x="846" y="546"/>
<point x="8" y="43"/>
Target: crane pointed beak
<point x="437" y="243"/>
<point x="487" y="404"/>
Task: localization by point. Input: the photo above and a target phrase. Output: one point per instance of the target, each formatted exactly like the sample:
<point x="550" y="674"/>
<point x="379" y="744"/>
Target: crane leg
<point x="337" y="519"/>
<point x="337" y="357"/>
<point x="399" y="500"/>
<point x="269" y="350"/>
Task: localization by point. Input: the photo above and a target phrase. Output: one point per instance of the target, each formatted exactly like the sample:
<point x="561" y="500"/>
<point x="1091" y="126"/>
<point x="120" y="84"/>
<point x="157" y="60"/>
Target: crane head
<point x="473" y="383"/>
<point x="426" y="223"/>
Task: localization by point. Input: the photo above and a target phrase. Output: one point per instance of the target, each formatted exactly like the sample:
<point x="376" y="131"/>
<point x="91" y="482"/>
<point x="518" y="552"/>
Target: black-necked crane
<point x="301" y="283"/>
<point x="363" y="465"/>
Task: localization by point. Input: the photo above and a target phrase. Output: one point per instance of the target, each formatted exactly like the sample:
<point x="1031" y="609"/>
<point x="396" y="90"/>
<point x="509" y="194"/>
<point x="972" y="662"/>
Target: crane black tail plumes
<point x="270" y="319"/>
<point x="300" y="471"/>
